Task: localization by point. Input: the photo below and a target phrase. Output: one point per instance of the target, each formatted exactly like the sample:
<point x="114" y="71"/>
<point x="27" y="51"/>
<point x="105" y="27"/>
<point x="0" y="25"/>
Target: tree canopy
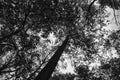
<point x="32" y="32"/>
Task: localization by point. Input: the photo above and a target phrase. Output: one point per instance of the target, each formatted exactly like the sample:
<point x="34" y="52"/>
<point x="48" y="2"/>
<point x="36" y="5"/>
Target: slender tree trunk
<point x="46" y="72"/>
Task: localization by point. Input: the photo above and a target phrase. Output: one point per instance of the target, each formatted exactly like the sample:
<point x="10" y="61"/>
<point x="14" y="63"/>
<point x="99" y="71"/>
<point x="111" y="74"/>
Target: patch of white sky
<point x="66" y="65"/>
<point x="114" y="19"/>
<point x="51" y="37"/>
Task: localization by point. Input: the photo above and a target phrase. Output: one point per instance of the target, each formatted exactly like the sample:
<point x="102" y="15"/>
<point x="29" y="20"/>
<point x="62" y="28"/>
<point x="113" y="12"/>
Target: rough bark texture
<point x="46" y="72"/>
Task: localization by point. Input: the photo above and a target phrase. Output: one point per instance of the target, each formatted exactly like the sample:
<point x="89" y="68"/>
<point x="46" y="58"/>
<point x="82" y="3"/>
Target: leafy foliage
<point x="25" y="23"/>
<point x="115" y="4"/>
<point x="63" y="77"/>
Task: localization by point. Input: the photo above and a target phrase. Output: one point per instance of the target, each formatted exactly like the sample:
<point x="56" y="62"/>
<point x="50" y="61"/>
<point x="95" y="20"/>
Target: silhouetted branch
<point x="18" y="30"/>
<point x="4" y="72"/>
<point x="89" y="9"/>
<point x="114" y="12"/>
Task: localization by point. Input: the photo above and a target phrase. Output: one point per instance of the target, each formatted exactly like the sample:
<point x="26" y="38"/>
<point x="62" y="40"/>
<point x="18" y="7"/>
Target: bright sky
<point x="112" y="25"/>
<point x="68" y="64"/>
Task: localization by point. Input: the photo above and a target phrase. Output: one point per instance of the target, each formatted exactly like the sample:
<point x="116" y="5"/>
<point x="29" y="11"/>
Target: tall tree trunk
<point x="46" y="72"/>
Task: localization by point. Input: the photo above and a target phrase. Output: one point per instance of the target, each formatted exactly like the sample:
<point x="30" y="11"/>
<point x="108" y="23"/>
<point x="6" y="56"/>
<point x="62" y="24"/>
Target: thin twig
<point x="114" y="12"/>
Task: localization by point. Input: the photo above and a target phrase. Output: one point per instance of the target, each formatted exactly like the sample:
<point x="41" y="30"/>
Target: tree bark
<point x="47" y="71"/>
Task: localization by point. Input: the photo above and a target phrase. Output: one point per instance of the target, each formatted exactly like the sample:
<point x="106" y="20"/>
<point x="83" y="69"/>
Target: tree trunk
<point x="47" y="71"/>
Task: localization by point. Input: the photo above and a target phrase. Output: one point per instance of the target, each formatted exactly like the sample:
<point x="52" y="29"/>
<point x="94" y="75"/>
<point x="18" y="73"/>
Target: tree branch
<point x="18" y="30"/>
